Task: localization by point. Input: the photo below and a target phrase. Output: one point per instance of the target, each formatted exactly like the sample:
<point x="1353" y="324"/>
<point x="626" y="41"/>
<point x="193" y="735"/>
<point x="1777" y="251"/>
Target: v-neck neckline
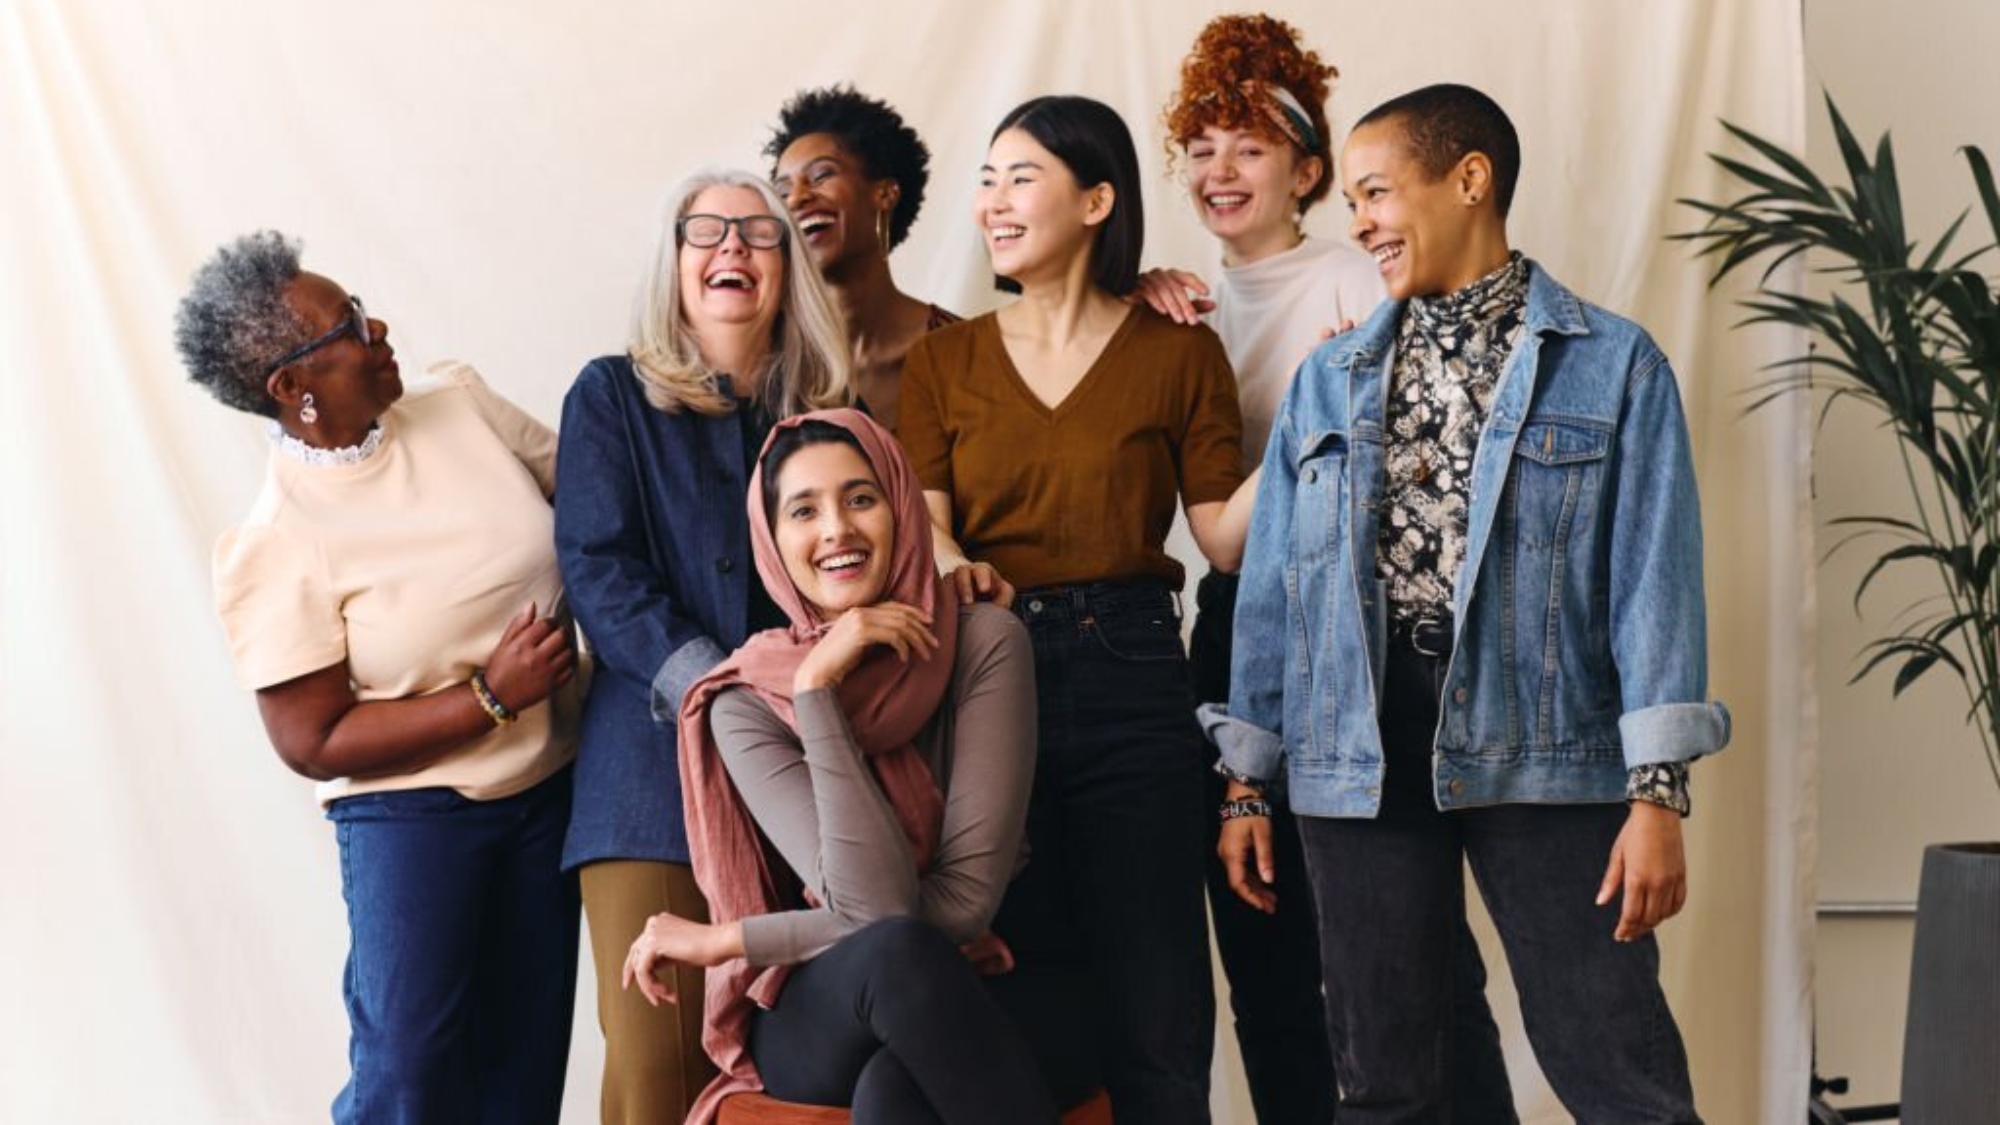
<point x="1052" y="412"/>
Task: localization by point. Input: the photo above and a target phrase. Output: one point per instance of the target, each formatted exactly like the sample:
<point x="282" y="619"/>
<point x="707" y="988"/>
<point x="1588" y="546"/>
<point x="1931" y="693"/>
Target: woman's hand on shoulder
<point x="904" y="628"/>
<point x="532" y="659"/>
<point x="979" y="582"/>
<point x="1176" y="294"/>
<point x="669" y="938"/>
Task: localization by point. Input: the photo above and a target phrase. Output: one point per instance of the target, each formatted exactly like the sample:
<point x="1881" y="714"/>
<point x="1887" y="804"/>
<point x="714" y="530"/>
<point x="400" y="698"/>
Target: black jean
<point x="1116" y="824"/>
<point x="1391" y="894"/>
<point x="1273" y="960"/>
<point x="894" y="1022"/>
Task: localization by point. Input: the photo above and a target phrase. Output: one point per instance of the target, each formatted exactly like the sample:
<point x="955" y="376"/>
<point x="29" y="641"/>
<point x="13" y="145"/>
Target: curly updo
<point x="234" y="320"/>
<point x="1232" y="51"/>
<point x="873" y="131"/>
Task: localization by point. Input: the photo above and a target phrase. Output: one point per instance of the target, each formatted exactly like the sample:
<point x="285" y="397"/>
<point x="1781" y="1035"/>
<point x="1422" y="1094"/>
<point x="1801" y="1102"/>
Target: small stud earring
<point x="308" y="413"/>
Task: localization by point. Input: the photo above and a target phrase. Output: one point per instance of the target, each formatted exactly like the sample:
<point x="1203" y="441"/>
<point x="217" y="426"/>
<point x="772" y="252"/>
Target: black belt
<point x="1426" y="635"/>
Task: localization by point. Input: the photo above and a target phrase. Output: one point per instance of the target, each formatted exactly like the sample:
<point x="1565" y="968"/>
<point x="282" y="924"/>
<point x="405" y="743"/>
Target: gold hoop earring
<point x="882" y="231"/>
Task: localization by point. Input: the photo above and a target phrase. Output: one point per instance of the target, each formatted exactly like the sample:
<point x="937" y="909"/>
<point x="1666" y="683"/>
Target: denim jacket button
<point x="1458" y="695"/>
<point x="1457" y="787"/>
<point x="1312" y="475"/>
<point x="725" y="564"/>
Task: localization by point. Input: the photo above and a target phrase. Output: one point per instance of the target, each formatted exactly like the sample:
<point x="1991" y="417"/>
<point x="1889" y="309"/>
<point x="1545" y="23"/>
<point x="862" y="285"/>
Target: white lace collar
<point x="313" y="455"/>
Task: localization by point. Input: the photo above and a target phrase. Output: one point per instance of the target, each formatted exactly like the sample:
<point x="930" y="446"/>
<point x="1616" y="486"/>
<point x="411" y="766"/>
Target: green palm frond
<point x="1913" y="333"/>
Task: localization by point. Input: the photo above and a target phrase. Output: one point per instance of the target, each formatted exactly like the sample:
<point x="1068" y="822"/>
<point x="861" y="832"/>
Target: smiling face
<point x="833" y="527"/>
<point x="1037" y="220"/>
<point x="730" y="284"/>
<point x="839" y="210"/>
<point x="1423" y="231"/>
<point x="1246" y="187"/>
<point x="351" y="384"/>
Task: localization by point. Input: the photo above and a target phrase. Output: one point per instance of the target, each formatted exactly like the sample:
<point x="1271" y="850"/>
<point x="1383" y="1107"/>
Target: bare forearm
<point x="372" y="739"/>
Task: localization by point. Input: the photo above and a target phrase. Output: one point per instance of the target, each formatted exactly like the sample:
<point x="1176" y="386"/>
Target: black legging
<point x="893" y="1021"/>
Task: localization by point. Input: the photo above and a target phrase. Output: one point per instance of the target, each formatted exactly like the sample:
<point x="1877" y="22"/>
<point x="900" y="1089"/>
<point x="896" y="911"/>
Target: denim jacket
<point x="655" y="553"/>
<point x="1578" y="616"/>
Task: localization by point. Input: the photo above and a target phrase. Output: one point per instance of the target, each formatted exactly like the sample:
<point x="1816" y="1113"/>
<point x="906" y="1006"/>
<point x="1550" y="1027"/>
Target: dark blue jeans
<point x="1391" y="895"/>
<point x="461" y="972"/>
<point x="1273" y="960"/>
<point x="1117" y="822"/>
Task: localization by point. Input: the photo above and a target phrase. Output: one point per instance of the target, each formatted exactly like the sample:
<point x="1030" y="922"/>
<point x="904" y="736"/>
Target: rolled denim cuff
<point x="1249" y="751"/>
<point x="1673" y="732"/>
<point x="688" y="663"/>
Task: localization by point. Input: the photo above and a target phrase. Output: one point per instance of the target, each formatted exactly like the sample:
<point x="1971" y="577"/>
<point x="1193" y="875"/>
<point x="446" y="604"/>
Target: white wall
<point x="1894" y="775"/>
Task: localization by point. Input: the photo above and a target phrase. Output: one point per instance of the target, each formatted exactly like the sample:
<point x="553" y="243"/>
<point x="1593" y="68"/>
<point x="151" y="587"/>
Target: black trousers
<point x="1116" y="824"/>
<point x="894" y="1022"/>
<point x="1283" y="1027"/>
<point x="1391" y="893"/>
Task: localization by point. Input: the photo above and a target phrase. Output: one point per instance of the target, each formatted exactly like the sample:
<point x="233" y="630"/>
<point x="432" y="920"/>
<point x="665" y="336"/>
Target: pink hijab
<point x="887" y="703"/>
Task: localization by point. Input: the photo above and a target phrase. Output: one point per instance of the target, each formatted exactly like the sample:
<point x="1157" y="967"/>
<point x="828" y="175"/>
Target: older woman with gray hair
<point x="387" y="600"/>
<point x="734" y="330"/>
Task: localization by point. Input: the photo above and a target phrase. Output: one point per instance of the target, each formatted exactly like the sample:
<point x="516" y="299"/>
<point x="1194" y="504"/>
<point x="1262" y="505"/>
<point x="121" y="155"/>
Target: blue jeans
<point x="461" y="972"/>
<point x="1117" y="823"/>
<point x="1391" y="897"/>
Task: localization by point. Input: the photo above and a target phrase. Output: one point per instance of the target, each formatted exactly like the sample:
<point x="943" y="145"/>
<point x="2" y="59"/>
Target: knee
<point x="904" y="943"/>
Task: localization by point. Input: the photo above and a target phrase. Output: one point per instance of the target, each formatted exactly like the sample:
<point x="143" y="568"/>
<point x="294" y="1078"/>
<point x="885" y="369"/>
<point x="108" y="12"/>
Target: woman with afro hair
<point x="1248" y="132"/>
<point x="853" y="174"/>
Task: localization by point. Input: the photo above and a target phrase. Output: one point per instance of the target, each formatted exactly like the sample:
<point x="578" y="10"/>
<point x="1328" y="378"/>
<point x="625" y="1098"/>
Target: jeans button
<point x="1034" y="605"/>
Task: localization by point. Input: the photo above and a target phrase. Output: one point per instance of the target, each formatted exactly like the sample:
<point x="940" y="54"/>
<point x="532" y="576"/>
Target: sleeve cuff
<point x="1664" y="784"/>
<point x="1249" y="751"/>
<point x="689" y="663"/>
<point x="1673" y="732"/>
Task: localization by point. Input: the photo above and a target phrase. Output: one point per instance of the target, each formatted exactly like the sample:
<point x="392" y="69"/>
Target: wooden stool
<point x="762" y="1109"/>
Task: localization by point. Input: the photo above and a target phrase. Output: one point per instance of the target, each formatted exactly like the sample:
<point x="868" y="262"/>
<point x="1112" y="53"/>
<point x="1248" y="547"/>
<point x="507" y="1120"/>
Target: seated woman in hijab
<point x="883" y="745"/>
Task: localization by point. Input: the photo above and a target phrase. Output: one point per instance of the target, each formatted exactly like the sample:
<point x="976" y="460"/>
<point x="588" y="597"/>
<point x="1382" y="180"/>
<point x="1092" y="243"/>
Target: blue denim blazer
<point x="1578" y="613"/>
<point x="654" y="547"/>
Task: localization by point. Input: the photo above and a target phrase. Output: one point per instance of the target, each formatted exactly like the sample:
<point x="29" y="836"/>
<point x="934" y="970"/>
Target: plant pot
<point x="1951" y="1044"/>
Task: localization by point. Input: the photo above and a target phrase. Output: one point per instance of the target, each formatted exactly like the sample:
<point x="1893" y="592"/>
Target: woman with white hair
<point x="730" y="335"/>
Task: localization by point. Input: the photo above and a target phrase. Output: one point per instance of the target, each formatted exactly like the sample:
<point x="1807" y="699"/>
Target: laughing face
<point x="1420" y="229"/>
<point x="731" y="283"/>
<point x="1038" y="221"/>
<point x="838" y="209"/>
<point x="834" y="527"/>
<point x="1246" y="187"/>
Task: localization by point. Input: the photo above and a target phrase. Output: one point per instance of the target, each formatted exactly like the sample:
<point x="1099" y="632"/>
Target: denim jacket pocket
<point x="1320" y="503"/>
<point x="1558" y="472"/>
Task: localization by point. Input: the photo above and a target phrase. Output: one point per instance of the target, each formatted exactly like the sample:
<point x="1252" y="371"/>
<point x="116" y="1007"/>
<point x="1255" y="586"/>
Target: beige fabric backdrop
<point x="488" y="175"/>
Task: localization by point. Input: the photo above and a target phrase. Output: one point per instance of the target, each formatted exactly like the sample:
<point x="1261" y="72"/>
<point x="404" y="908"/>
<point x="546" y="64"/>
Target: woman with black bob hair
<point x="1055" y="438"/>
<point x="853" y="175"/>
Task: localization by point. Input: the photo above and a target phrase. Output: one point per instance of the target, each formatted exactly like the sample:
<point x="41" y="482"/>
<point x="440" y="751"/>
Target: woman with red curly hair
<point x="1247" y="130"/>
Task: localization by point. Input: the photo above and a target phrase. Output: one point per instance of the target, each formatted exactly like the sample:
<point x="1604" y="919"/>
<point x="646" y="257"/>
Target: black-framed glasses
<point x="760" y="232"/>
<point x="356" y="324"/>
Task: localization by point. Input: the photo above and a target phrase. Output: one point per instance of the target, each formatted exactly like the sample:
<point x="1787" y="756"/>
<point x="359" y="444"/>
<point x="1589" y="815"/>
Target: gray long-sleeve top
<point x="815" y="798"/>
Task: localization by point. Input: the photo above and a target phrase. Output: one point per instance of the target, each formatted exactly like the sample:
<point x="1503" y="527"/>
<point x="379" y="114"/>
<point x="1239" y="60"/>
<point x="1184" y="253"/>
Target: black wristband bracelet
<point x="1246" y="806"/>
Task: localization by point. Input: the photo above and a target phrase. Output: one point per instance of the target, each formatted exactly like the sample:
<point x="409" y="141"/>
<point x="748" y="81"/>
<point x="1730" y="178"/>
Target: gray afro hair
<point x="234" y="320"/>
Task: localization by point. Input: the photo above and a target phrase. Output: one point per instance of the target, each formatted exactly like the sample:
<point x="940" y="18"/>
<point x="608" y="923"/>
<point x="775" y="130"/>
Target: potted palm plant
<point x="1911" y="333"/>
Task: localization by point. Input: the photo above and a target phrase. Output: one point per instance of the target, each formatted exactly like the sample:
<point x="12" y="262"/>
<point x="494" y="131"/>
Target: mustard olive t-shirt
<point x="407" y="567"/>
<point x="1084" y="491"/>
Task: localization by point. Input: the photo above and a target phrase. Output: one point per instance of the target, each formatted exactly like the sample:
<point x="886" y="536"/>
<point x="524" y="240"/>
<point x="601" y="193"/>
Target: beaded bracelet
<point x="1246" y="806"/>
<point x="490" y="703"/>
